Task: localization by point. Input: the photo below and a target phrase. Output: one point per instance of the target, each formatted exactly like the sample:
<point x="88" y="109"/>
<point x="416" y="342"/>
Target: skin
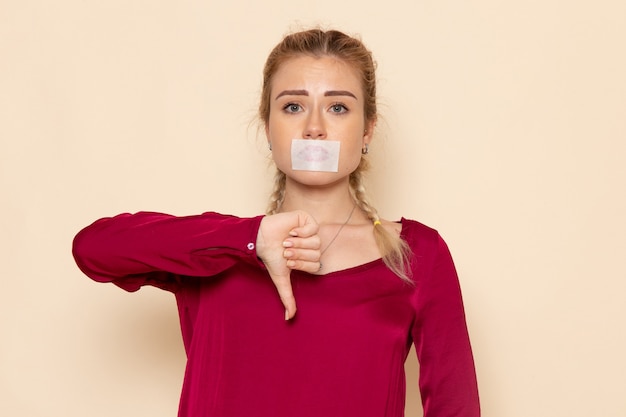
<point x="315" y="98"/>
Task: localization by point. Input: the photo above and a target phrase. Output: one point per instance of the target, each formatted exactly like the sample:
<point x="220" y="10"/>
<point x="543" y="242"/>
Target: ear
<point x="368" y="134"/>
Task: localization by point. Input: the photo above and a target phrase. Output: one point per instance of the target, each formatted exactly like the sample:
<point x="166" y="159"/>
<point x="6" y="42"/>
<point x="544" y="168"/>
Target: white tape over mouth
<point x="315" y="155"/>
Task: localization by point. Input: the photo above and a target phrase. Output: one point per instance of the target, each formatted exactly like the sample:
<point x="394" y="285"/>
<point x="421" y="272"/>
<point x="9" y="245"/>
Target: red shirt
<point x="341" y="356"/>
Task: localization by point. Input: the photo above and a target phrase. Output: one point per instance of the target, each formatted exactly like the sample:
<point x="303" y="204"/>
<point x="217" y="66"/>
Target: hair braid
<point x="357" y="190"/>
<point x="278" y="194"/>
<point x="393" y="249"/>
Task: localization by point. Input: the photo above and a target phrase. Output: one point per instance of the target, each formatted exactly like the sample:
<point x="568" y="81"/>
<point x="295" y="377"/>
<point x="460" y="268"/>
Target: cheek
<point x="281" y="154"/>
<point x="351" y="158"/>
<point x="278" y="130"/>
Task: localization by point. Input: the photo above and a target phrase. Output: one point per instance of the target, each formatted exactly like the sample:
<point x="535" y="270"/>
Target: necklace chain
<point x="337" y="234"/>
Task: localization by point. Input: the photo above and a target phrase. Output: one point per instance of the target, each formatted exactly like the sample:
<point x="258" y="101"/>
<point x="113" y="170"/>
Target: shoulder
<point x="431" y="258"/>
<point x="414" y="230"/>
<point x="423" y="240"/>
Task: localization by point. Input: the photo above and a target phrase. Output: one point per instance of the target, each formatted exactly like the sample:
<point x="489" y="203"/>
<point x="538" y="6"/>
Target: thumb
<point x="285" y="292"/>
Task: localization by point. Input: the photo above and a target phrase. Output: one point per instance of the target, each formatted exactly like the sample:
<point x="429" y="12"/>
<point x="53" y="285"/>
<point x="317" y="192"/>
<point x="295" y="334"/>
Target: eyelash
<point x="288" y="108"/>
<point x="344" y="109"/>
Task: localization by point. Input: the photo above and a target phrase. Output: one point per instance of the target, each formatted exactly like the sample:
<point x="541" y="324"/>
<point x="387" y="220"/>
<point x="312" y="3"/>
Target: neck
<point x="328" y="204"/>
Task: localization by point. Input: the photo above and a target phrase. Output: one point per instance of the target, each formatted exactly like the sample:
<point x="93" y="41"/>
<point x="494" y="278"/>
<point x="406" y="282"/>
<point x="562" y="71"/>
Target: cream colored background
<point x="504" y="128"/>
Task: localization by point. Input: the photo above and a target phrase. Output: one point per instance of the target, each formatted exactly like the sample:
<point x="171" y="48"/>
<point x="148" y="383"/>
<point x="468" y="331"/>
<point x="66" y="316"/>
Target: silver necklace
<point x="336" y="234"/>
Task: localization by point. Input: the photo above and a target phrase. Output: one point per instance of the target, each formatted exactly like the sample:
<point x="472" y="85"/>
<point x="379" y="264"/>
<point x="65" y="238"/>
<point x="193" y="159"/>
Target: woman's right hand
<point x="287" y="241"/>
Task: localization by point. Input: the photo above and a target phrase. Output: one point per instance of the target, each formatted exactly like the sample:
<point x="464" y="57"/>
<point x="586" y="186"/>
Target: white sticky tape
<point x="315" y="155"/>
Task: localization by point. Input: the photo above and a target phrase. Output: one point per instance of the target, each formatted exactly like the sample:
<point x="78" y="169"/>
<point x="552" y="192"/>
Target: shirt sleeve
<point x="447" y="375"/>
<point x="146" y="248"/>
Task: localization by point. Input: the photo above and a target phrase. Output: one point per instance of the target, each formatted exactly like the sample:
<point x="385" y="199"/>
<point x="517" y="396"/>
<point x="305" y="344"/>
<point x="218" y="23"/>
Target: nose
<point x="315" y="127"/>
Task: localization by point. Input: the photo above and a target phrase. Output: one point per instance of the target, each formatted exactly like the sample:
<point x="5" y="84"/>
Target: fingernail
<point x="293" y="233"/>
<point x="291" y="264"/>
<point x="287" y="254"/>
<point x="287" y="244"/>
<point x="286" y="315"/>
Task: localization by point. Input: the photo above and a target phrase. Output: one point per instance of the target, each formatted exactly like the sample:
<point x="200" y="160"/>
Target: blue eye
<point x="338" y="108"/>
<point x="292" y="108"/>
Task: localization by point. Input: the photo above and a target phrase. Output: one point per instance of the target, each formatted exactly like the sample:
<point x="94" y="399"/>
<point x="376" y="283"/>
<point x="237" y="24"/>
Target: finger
<point x="312" y="242"/>
<point x="306" y="230"/>
<point x="285" y="292"/>
<point x="306" y="266"/>
<point x="290" y="308"/>
<point x="308" y="255"/>
<point x="289" y="302"/>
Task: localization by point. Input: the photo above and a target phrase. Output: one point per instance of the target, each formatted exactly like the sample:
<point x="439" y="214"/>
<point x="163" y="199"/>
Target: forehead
<point x="311" y="73"/>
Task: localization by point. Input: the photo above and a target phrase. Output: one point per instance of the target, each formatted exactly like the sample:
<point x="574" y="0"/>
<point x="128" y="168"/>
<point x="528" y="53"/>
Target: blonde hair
<point x="316" y="42"/>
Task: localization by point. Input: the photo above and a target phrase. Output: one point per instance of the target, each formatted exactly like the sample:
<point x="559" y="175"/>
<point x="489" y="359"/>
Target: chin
<point x="315" y="178"/>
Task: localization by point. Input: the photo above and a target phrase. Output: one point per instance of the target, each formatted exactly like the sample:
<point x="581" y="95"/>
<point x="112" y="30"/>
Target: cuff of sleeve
<point x="229" y="237"/>
<point x="252" y="238"/>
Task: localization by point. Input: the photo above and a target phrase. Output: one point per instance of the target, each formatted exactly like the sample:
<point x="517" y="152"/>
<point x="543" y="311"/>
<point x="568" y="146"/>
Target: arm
<point x="132" y="250"/>
<point x="447" y="375"/>
<point x="146" y="248"/>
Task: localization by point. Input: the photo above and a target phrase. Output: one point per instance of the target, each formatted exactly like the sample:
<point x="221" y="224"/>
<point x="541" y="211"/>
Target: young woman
<point x="366" y="289"/>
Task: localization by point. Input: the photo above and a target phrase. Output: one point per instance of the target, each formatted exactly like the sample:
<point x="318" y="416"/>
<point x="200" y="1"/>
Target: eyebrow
<point x="330" y="93"/>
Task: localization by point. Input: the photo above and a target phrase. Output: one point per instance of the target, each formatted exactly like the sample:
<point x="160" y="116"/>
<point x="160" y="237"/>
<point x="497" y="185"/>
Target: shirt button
<point x="250" y="246"/>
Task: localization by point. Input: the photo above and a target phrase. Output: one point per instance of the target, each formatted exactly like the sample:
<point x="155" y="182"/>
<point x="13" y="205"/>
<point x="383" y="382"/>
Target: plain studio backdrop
<point x="504" y="127"/>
